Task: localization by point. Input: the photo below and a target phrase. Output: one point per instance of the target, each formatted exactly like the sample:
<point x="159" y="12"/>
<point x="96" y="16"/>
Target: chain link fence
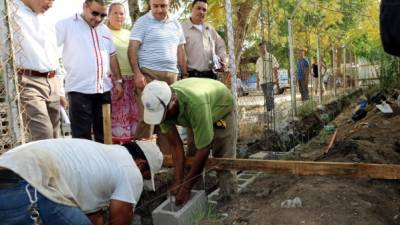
<point x="12" y="131"/>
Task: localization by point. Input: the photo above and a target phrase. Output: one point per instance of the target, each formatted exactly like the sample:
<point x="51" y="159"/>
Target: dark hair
<point x="262" y="43"/>
<point x="101" y="2"/>
<point x="194" y="2"/>
<point x="136" y="152"/>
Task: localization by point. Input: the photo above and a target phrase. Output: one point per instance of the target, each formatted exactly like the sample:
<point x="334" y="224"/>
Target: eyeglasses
<point x="95" y="13"/>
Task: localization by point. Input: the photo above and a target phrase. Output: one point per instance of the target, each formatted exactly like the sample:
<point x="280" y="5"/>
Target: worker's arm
<point x="121" y="213"/>
<point x="133" y="61"/>
<point x="199" y="161"/>
<point x="178" y="157"/>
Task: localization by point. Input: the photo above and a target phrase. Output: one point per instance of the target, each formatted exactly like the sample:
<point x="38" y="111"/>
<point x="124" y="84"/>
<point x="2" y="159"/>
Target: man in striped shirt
<point x="303" y="70"/>
<point x="156" y="48"/>
<point x="90" y="58"/>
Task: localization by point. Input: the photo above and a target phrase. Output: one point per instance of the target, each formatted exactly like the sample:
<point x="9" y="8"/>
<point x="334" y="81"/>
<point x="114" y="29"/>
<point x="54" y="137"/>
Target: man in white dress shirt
<point x="37" y="61"/>
<point x="89" y="57"/>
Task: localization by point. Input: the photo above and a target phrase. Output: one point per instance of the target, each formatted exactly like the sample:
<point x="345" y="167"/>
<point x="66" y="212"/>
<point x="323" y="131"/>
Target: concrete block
<point x="259" y="155"/>
<point x="169" y="214"/>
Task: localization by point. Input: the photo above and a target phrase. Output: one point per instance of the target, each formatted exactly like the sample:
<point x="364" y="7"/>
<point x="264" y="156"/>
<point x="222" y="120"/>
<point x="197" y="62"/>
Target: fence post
<point x="319" y="71"/>
<point x="292" y="69"/>
<point x="10" y="80"/>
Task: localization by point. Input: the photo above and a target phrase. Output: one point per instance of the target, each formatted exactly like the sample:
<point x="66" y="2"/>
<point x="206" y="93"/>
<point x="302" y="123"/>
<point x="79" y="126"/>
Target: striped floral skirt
<point x="124" y="112"/>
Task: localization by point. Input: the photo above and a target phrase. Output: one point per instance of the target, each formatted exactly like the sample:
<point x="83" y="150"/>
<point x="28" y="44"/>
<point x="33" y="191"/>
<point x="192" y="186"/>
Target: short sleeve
<point x="111" y="46"/>
<point x="138" y="30"/>
<point x="182" y="39"/>
<point x="129" y="185"/>
<point x="61" y="31"/>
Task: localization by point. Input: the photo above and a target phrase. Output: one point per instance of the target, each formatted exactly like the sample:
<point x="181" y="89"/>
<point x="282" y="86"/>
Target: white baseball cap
<point x="154" y="158"/>
<point x="155" y="97"/>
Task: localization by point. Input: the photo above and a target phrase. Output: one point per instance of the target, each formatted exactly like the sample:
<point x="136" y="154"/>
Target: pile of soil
<point x="328" y="200"/>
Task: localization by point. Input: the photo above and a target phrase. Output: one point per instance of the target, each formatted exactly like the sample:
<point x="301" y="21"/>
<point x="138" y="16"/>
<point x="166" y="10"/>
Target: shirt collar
<point x="193" y="25"/>
<point x="21" y="5"/>
<point x="150" y="15"/>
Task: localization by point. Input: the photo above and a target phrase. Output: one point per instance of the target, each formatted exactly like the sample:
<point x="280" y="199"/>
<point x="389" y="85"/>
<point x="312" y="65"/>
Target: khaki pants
<point x="144" y="130"/>
<point x="40" y="102"/>
<point x="223" y="146"/>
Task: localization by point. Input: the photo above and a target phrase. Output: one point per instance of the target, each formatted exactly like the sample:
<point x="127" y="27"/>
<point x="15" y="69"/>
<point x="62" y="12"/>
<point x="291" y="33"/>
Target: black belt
<point x="202" y="74"/>
<point x="8" y="179"/>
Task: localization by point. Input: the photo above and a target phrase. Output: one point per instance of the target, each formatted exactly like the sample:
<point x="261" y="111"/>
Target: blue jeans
<point x="15" y="209"/>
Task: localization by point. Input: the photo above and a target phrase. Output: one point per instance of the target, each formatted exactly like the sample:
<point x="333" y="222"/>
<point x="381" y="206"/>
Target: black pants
<point x="86" y="113"/>
<point x="202" y="74"/>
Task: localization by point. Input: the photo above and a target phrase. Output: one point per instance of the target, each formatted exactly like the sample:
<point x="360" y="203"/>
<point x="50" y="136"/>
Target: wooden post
<point x="107" y="124"/>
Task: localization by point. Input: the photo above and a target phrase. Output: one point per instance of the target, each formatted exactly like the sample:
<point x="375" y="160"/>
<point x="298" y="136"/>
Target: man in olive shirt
<point x="205" y="49"/>
<point x="207" y="107"/>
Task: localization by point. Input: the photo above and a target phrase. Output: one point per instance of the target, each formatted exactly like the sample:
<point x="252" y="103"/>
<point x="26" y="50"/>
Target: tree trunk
<point x="241" y="27"/>
<point x="134" y="11"/>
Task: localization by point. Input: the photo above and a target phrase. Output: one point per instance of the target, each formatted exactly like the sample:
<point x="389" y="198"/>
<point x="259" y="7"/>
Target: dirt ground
<point x="328" y="200"/>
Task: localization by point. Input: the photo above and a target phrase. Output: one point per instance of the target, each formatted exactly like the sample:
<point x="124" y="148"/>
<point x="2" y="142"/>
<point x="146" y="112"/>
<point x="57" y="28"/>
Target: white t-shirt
<point x="35" y="40"/>
<point x="77" y="172"/>
<point x="86" y="55"/>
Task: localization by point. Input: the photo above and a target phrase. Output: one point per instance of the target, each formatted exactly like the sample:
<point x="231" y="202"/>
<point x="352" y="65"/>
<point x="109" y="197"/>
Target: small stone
<point x="396" y="217"/>
<point x="354" y="203"/>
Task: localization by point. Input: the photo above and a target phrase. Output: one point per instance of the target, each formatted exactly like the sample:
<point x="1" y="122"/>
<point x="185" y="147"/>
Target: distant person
<point x="37" y="64"/>
<point x="90" y="58"/>
<point x="267" y="74"/>
<point x="207" y="107"/>
<point x="316" y="75"/>
<point x="303" y="71"/>
<point x="389" y="20"/>
<point x="156" y="48"/>
<point x="73" y="181"/>
<point x="205" y="49"/>
<point x="125" y="110"/>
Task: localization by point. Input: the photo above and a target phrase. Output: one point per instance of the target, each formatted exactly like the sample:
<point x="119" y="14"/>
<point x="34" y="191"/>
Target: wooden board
<point x="107" y="124"/>
<point x="303" y="168"/>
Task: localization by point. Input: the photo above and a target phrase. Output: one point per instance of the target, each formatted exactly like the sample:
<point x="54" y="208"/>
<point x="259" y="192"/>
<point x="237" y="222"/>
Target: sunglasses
<point x="96" y="14"/>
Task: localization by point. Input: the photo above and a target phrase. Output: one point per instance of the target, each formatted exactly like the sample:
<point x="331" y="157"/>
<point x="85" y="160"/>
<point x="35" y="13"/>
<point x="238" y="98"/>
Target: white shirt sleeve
<point x="182" y="39"/>
<point x="129" y="185"/>
<point x="61" y="31"/>
<point x="138" y="31"/>
<point x="111" y="47"/>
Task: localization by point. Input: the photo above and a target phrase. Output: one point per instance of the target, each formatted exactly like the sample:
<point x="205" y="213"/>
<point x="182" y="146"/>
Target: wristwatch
<point x="119" y="81"/>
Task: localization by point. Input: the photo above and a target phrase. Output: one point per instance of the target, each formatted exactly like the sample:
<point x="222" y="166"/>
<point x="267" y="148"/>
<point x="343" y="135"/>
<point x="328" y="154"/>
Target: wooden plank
<point x="302" y="168"/>
<point x="107" y="124"/>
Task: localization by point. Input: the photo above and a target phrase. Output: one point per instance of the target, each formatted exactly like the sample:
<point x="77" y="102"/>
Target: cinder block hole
<point x="245" y="176"/>
<point x="172" y="207"/>
<point x="240" y="181"/>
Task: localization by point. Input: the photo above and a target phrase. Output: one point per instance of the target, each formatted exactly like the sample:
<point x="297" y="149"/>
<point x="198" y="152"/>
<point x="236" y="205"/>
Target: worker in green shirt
<point x="206" y="107"/>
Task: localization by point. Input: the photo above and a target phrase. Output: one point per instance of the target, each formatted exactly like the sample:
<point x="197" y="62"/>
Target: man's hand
<point x="182" y="196"/>
<point x="140" y="82"/>
<point x="224" y="67"/>
<point x="120" y="90"/>
<point x="63" y="102"/>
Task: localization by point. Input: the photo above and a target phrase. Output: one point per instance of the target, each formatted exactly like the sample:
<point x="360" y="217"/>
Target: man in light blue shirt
<point x="156" y="48"/>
